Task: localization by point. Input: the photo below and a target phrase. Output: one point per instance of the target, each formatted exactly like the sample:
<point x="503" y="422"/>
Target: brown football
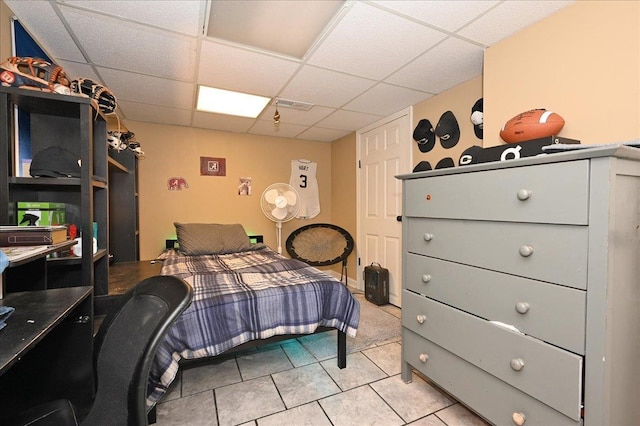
<point x="532" y="124"/>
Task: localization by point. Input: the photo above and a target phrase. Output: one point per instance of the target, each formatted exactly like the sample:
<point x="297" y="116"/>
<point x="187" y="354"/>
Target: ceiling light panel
<point x="227" y="102"/>
<point x="289" y="27"/>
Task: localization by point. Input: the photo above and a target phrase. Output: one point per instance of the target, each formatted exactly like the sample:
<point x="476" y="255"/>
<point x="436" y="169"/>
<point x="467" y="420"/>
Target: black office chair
<point x="321" y="244"/>
<point x="124" y="350"/>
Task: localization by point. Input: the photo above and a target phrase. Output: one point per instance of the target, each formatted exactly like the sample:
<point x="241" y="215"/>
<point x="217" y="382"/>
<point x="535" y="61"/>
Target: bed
<point x="244" y="292"/>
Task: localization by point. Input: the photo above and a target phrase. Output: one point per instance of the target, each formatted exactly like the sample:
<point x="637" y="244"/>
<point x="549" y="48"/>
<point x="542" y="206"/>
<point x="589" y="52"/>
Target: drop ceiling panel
<point x="287" y="26"/>
<point x="46" y="27"/>
<point x="154" y="114"/>
<point x="448" y="15"/>
<point x="385" y="99"/>
<point x="344" y="120"/>
<point x="133" y="47"/>
<point x="322" y="135"/>
<point x="149" y="90"/>
<point x="491" y="28"/>
<point x="323" y="87"/>
<point x="231" y="68"/>
<point x="365" y="35"/>
<point x="80" y="70"/>
<point x="289" y="115"/>
<point x="283" y="130"/>
<point x="179" y="16"/>
<point x="442" y="67"/>
<point x="222" y="122"/>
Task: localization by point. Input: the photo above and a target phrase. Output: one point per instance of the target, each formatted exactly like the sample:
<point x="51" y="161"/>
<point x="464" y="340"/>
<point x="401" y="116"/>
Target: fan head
<point x="279" y="202"/>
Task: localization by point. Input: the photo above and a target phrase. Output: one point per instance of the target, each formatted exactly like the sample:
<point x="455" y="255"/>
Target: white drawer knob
<point x="518" y="418"/>
<point x="421" y="319"/>
<point x="424" y="357"/>
<point x="522" y="307"/>
<point x="517" y="364"/>
<point x="524" y="194"/>
<point x="526" y="251"/>
<point x="426" y="278"/>
<point x="427" y="236"/>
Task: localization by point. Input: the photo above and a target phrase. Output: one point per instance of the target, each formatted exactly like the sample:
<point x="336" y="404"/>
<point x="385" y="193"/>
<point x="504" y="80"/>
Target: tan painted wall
<point x="5" y="31"/>
<point x="582" y="62"/>
<point x="343" y="193"/>
<point x="175" y="151"/>
<point x="459" y="100"/>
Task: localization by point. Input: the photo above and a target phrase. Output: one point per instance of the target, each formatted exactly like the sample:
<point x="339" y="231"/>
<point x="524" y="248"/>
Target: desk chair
<point x="124" y="350"/>
<point x="321" y="244"/>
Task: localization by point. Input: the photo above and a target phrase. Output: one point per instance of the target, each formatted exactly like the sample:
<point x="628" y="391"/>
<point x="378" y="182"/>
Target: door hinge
<point x="359" y="164"/>
<point x="358" y="261"/>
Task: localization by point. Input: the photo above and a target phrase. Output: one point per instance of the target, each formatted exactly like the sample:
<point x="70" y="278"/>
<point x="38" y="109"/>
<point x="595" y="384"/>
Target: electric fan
<point x="280" y="203"/>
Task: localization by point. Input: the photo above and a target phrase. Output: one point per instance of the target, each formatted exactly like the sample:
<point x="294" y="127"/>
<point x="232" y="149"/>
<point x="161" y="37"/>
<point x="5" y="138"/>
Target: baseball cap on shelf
<point x="476" y="118"/>
<point x="422" y="166"/>
<point x="448" y="130"/>
<point x="423" y="134"/>
<point x="55" y="162"/>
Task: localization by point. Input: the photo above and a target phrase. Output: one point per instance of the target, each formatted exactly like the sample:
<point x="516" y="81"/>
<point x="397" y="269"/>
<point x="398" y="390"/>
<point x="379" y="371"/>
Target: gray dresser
<point x="521" y="286"/>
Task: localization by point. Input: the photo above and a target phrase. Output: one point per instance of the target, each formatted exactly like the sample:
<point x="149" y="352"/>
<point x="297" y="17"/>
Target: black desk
<point x="46" y="348"/>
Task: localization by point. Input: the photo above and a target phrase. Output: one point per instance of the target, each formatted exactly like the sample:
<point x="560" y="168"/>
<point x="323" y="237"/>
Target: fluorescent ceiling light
<point x="227" y="102"/>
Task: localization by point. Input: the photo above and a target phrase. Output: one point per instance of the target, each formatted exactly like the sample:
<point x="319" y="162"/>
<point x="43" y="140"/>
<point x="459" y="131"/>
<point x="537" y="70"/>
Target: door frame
<point x="409" y="147"/>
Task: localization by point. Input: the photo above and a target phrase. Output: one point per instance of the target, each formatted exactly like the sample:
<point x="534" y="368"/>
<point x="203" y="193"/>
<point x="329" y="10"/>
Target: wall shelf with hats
<point x="65" y="128"/>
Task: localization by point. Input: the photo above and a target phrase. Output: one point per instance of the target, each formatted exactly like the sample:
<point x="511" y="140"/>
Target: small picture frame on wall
<point x="211" y="166"/>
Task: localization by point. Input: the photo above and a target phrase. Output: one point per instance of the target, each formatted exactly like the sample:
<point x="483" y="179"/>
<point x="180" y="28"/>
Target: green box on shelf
<point x="43" y="213"/>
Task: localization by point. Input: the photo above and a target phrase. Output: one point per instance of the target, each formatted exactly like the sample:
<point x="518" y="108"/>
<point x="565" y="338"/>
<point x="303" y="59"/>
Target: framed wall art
<point x="211" y="166"/>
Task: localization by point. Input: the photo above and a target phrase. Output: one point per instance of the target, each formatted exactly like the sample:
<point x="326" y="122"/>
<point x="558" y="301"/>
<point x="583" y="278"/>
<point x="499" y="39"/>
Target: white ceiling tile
<point x="185" y="16"/>
<point x="385" y="99"/>
<point x="322" y="135"/>
<point x="283" y="130"/>
<point x="323" y="87"/>
<point x="133" y="47"/>
<point x="149" y="90"/>
<point x="446" y="65"/>
<point x="77" y="70"/>
<point x="290" y="115"/>
<point x="233" y="68"/>
<point x="348" y="120"/>
<point x="365" y="35"/>
<point x="227" y="123"/>
<point x="448" y="15"/>
<point x="47" y="28"/>
<point x="510" y="17"/>
<point x="154" y="114"/>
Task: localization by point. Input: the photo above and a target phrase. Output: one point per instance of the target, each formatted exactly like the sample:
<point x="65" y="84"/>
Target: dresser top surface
<point x="612" y="150"/>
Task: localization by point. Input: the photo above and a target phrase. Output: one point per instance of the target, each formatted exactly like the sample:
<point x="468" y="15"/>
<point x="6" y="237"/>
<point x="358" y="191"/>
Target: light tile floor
<point x="284" y="384"/>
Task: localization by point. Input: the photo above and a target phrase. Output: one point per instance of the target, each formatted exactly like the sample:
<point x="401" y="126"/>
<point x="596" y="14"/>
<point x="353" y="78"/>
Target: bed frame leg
<point x="152" y="415"/>
<point x="342" y="349"/>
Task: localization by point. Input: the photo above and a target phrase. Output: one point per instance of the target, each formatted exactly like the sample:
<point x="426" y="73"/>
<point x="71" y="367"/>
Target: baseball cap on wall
<point x="448" y="130"/>
<point x="423" y="134"/>
<point x="477" y="117"/>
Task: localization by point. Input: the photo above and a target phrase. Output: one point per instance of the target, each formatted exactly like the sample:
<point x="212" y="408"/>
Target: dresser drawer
<point x="553" y="253"/>
<point x="488" y="396"/>
<point x="543" y="371"/>
<point x="522" y="194"/>
<point x="535" y="308"/>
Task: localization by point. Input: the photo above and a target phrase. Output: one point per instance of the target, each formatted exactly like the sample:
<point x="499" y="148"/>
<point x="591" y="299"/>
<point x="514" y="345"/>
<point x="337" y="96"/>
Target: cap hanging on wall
<point x="477" y="117"/>
<point x="423" y="134"/>
<point x="448" y="130"/>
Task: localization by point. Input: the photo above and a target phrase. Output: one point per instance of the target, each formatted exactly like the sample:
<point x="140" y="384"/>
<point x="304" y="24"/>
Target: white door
<point x="385" y="150"/>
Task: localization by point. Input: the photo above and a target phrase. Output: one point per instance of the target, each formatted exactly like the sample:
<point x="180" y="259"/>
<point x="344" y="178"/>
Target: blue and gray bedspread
<point x="246" y="296"/>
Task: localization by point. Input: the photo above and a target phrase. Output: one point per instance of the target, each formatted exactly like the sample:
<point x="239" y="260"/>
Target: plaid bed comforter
<point x="246" y="296"/>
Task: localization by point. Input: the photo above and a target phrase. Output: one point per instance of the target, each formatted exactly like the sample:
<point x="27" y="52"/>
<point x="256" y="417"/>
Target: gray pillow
<point x="211" y="238"/>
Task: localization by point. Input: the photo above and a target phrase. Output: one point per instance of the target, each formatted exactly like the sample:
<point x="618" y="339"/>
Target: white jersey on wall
<point x="303" y="179"/>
